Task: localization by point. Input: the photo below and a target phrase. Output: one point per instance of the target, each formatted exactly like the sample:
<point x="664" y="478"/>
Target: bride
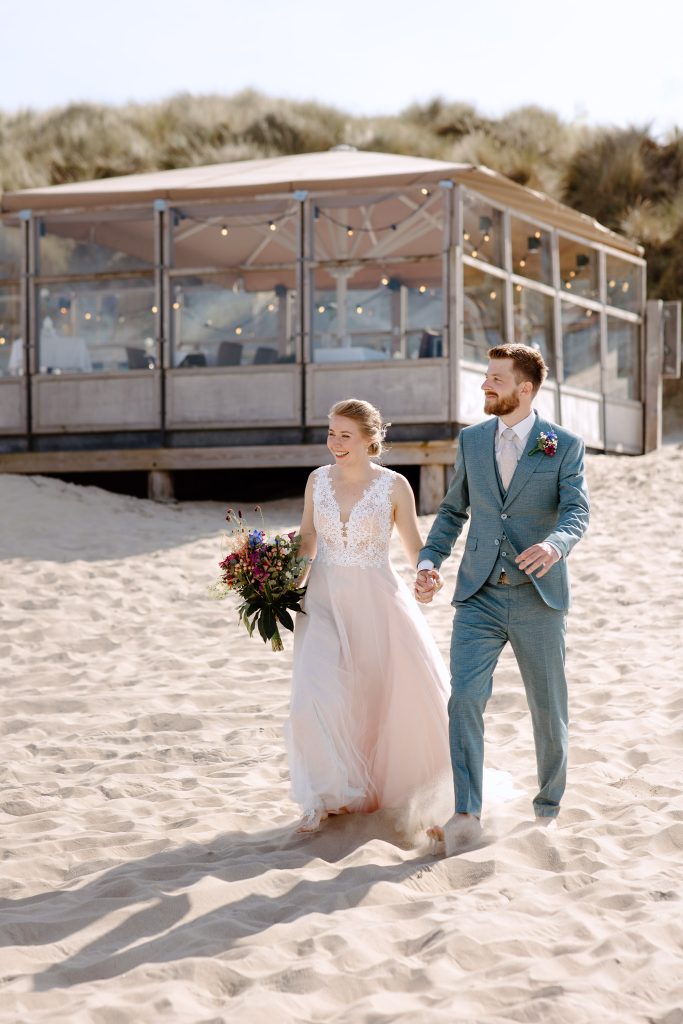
<point x="368" y="724"/>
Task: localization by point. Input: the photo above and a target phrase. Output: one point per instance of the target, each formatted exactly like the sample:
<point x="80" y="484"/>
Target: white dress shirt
<point x="522" y="430"/>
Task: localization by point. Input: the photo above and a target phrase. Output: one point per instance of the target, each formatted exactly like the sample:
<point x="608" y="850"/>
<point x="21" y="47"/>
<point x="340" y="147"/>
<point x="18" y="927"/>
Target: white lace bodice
<point x="364" y="539"/>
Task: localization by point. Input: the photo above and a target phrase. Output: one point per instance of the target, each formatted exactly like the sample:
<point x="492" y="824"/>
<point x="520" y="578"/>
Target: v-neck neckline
<point x="345" y="523"/>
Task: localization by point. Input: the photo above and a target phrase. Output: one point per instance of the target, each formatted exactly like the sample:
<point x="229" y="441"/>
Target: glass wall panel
<point x="10" y="252"/>
<point x="365" y="313"/>
<point x="87" y="326"/>
<point x="483" y="313"/>
<point x="93" y="246"/>
<point x="624" y="284"/>
<point x="223" y="320"/>
<point x="482" y="230"/>
<point x="579" y="269"/>
<point x="623" y="359"/>
<point x="11" y="341"/>
<point x="376" y="227"/>
<point x="534" y="323"/>
<point x="531" y="251"/>
<point x="581" y="347"/>
<point x="240" y="235"/>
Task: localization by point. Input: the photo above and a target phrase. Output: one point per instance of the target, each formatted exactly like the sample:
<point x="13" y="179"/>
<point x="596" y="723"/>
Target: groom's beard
<point x="501" y="405"/>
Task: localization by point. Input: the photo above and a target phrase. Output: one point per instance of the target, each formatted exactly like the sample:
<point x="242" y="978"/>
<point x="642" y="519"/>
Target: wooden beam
<point x="401" y="453"/>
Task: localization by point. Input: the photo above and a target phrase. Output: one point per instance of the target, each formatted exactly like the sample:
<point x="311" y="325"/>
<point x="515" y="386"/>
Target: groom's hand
<point x="539" y="558"/>
<point x="427" y="584"/>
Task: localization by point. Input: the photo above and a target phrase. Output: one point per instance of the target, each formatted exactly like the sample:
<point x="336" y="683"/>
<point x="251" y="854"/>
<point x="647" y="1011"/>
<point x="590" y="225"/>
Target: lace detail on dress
<point x="364" y="539"/>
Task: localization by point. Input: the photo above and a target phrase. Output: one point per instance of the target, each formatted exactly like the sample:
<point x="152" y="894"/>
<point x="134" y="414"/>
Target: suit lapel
<point x="487" y="448"/>
<point x="528" y="463"/>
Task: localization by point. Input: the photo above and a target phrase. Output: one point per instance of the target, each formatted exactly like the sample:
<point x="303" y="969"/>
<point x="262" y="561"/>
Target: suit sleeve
<point x="574" y="504"/>
<point x="452" y="515"/>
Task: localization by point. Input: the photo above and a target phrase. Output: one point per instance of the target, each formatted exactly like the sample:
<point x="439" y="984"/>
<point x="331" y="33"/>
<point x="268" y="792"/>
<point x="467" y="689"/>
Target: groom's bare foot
<point x="437" y="832"/>
<point x="312" y="820"/>
<point x="461" y="831"/>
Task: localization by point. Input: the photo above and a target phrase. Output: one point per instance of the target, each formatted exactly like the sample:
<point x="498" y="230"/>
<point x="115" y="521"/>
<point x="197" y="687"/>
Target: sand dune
<point x="149" y="870"/>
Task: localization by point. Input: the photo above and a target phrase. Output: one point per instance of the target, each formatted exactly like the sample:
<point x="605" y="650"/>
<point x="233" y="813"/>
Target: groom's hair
<point x="528" y="363"/>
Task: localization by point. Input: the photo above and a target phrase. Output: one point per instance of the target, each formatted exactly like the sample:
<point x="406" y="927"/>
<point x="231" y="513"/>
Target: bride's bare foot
<point x="436" y="833"/>
<point x="312" y="820"/>
<point x="340" y="810"/>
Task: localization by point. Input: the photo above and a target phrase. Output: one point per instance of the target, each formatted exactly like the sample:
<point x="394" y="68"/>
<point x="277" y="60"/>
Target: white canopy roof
<point x="333" y="171"/>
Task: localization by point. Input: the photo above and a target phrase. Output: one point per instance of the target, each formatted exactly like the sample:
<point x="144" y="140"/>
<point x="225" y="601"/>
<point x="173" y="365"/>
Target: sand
<point x="149" y="869"/>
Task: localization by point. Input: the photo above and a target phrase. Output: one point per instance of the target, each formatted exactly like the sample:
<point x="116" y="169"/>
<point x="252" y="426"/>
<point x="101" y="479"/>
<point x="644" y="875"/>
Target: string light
<point x="537" y="234"/>
<point x="572" y="273"/>
<point x="271" y="307"/>
<point x="424" y="191"/>
<point x="63" y="310"/>
<point x="568" y="285"/>
<point x="176" y="305"/>
<point x="466" y="237"/>
<point x="518" y="287"/>
<point x="359" y="310"/>
<point x="385" y="281"/>
<point x="613" y="284"/>
<point x="474" y="253"/>
<point x="487" y="238"/>
<point x="321" y="309"/>
<point x="625" y="286"/>
<point x="238" y="330"/>
<point x="224" y="231"/>
<point x="349" y="232"/>
<point x="492" y="295"/>
<point x="88" y="316"/>
<point x="155" y="309"/>
<point x="522" y="263"/>
<point x="422" y="289"/>
<point x="272" y="225"/>
<point x="3" y="341"/>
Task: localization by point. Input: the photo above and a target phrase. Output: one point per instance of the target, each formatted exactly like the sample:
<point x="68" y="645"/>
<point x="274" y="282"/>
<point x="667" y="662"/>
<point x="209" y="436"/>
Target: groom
<point x="522" y="480"/>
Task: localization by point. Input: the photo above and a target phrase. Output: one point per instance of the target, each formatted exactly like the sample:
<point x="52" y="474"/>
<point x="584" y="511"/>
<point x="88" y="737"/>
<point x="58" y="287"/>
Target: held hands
<point x="539" y="557"/>
<point x="427" y="584"/>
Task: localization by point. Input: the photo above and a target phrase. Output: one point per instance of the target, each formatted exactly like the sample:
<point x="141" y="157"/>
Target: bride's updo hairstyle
<point x="368" y="419"/>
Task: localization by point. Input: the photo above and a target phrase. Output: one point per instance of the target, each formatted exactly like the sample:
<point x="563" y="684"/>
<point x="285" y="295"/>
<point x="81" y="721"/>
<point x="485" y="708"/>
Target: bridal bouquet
<point x="264" y="571"/>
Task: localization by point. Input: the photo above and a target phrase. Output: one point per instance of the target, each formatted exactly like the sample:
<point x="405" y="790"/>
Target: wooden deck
<point x="433" y="457"/>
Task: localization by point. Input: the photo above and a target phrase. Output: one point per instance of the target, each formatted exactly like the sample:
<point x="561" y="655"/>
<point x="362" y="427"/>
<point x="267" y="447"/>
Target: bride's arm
<point x="309" y="540"/>
<point x="405" y="517"/>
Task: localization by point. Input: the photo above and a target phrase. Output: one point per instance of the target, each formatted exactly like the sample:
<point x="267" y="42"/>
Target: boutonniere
<point x="546" y="443"/>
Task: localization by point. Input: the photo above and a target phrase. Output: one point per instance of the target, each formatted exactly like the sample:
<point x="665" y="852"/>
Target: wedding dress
<point x="368" y="724"/>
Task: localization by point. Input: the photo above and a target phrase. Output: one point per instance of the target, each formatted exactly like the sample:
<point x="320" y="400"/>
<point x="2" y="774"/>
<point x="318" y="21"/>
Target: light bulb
<point x="238" y="330"/>
<point x="475" y="253"/>
<point x="321" y="309"/>
<point x="176" y="305"/>
<point x="424" y="191"/>
<point x="625" y="286"/>
<point x="359" y="310"/>
<point x="385" y="281"/>
<point x="518" y="287"/>
<point x="88" y="316"/>
<point x="271" y="307"/>
<point x="537" y="234"/>
<point x="613" y="284"/>
<point x="155" y="309"/>
<point x="466" y="237"/>
<point x="3" y="341"/>
<point x="422" y="289"/>
<point x="349" y="232"/>
<point x="272" y="226"/>
<point x="568" y="285"/>
<point x="224" y="231"/>
<point x="572" y="273"/>
<point x="522" y="263"/>
<point x="487" y="238"/>
<point x="492" y="295"/>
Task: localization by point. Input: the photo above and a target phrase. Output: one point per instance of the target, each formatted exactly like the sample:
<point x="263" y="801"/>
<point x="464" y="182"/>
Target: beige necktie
<point x="507" y="456"/>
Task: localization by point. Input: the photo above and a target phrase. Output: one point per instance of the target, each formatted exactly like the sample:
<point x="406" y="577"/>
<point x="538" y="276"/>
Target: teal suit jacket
<point x="547" y="500"/>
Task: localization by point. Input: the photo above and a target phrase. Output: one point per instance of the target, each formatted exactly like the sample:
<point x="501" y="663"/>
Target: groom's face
<point x="502" y="392"/>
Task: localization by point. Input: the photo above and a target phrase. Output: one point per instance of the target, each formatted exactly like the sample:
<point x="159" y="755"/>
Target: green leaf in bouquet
<point x="285" y="618"/>
<point x="262" y="626"/>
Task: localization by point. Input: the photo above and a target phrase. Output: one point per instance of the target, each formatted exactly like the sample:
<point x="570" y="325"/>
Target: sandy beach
<point x="149" y="868"/>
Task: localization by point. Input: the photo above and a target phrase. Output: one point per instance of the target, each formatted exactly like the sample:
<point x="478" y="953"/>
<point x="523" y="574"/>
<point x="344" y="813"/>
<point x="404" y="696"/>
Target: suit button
<point x="504" y="554"/>
<point x="504" y="515"/>
<point x="497" y="543"/>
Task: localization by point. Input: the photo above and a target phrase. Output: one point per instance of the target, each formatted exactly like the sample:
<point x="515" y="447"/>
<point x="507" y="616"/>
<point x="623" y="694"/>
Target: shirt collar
<point x="522" y="429"/>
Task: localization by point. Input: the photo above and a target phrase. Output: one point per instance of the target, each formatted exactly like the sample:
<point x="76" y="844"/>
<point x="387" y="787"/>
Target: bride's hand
<point x="427" y="584"/>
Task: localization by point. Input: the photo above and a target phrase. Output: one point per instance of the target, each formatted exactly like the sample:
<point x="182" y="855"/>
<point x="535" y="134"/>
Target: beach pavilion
<point x="208" y="317"/>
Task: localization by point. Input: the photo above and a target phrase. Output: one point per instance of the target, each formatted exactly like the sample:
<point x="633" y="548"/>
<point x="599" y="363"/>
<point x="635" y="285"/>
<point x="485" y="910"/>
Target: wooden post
<point x="432" y="488"/>
<point x="652" y="376"/>
<point x="160" y="485"/>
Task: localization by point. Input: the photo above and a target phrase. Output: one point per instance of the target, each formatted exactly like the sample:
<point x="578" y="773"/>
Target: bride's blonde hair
<point x="368" y="419"/>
